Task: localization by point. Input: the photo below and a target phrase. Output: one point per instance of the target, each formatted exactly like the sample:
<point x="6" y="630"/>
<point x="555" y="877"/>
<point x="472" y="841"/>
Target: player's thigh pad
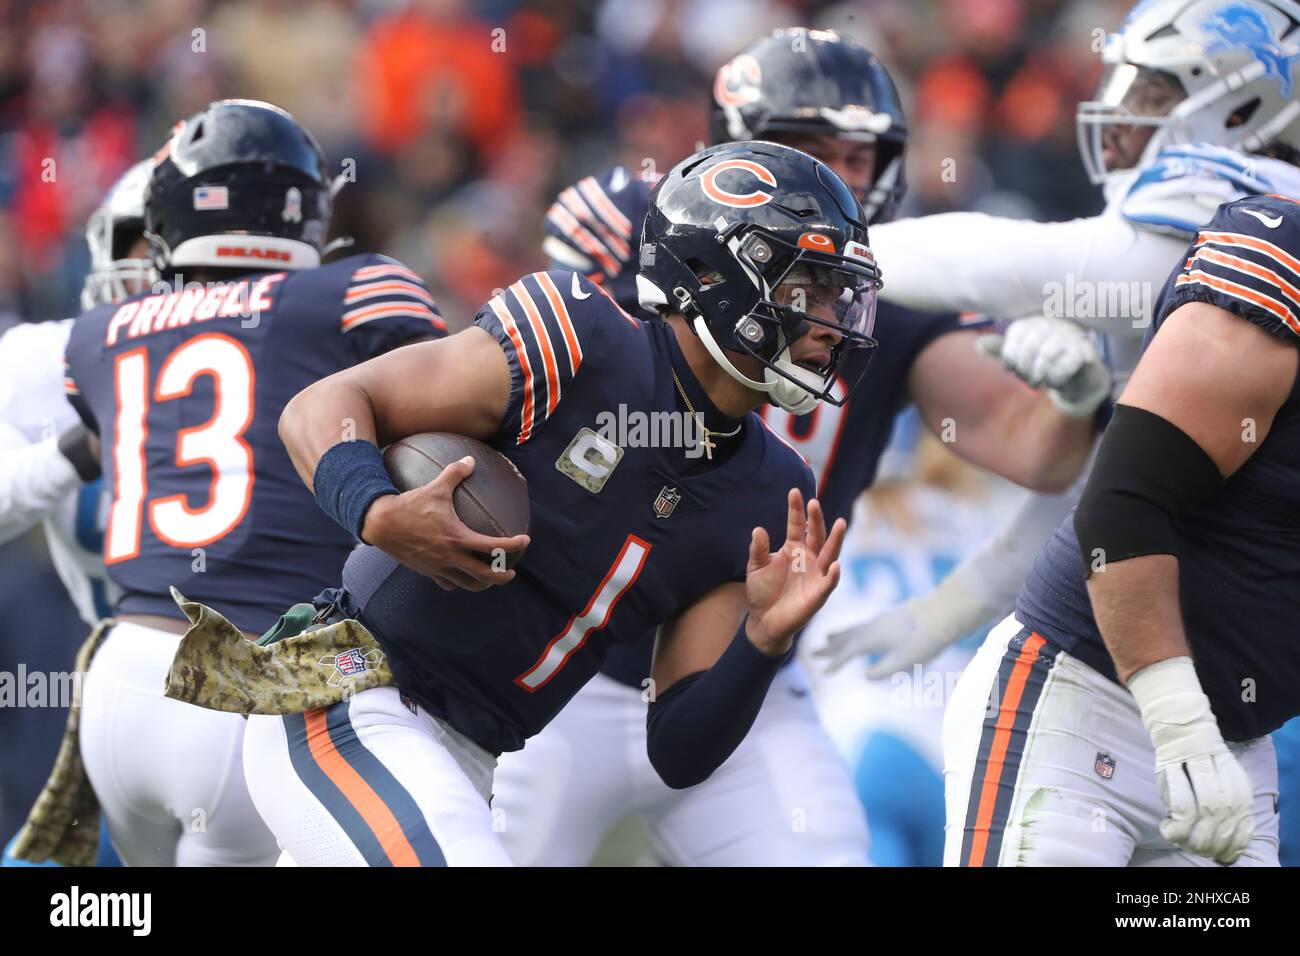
<point x="1042" y="765"/>
<point x="554" y="800"/>
<point x="168" y="775"/>
<point x="784" y="798"/>
<point x="372" y="781"/>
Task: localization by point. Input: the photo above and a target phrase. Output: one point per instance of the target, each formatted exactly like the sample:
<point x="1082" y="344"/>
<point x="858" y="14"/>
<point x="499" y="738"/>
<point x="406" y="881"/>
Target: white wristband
<point x="1176" y="711"/>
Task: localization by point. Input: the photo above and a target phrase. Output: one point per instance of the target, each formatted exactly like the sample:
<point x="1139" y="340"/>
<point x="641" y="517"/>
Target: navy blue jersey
<point x="185" y="389"/>
<point x="1239" y="552"/>
<point x="841" y="444"/>
<point x="625" y="536"/>
<point x="595" y="226"/>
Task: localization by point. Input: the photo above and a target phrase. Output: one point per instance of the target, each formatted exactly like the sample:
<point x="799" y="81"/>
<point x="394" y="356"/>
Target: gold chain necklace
<point x="706" y="442"/>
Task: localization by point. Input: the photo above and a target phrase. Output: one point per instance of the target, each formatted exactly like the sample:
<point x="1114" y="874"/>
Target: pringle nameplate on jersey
<point x="590" y="460"/>
<point x="240" y="299"/>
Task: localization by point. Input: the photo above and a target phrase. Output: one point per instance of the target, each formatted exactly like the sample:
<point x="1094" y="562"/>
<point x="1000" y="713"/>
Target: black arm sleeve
<point x="696" y="724"/>
<point x="1147" y="471"/>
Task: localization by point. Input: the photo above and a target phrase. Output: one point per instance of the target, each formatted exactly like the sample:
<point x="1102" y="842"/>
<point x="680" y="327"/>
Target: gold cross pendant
<point x="705" y="441"/>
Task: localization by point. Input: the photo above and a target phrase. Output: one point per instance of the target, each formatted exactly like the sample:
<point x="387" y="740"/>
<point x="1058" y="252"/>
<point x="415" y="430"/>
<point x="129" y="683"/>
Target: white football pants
<point x="1047" y="763"/>
<point x="783" y="798"/>
<point x="169" y="776"/>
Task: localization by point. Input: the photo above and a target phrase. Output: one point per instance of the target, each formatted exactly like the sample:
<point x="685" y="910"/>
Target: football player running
<point x="1120" y="715"/>
<point x="784" y="797"/>
<point x="1195" y="108"/>
<point x="184" y="385"/>
<point x="755" y="255"/>
<point x="50" y="470"/>
<point x="49" y="473"/>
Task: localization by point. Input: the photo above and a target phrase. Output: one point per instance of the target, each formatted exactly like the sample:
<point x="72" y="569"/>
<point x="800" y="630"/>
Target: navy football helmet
<point x="815" y="81"/>
<point x="239" y="185"/>
<point x="753" y="243"/>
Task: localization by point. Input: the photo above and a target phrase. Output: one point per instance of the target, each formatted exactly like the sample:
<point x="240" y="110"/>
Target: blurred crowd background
<point x="461" y="119"/>
<point x="458" y="122"/>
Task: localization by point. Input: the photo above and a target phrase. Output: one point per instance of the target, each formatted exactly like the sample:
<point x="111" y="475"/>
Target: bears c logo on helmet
<point x="737" y="82"/>
<point x="757" y="197"/>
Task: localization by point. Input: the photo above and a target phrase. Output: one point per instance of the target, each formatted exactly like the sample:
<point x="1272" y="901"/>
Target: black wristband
<point x="74" y="445"/>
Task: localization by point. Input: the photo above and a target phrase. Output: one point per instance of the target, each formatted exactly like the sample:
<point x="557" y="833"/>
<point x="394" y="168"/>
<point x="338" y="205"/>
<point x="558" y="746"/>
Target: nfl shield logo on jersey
<point x="1105" y="766"/>
<point x="350" y="663"/>
<point x="667" y="501"/>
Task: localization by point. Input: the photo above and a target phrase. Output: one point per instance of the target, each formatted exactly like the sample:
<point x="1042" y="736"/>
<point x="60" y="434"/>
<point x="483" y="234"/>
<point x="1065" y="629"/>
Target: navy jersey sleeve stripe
<point x="512" y="343"/>
<point x="606" y="207"/>
<point x="388" y="290"/>
<point x="572" y="200"/>
<point x="537" y="325"/>
<point x="1245" y="274"/>
<point x="1236" y="268"/>
<point x="581" y="237"/>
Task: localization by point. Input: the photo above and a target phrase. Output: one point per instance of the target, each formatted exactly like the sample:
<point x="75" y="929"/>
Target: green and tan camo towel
<point x="218" y="668"/>
<point x="63" y="824"/>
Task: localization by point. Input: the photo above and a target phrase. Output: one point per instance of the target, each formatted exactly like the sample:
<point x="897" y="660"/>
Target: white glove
<point x="1208" y="796"/>
<point x="908" y="633"/>
<point x="1057" y="355"/>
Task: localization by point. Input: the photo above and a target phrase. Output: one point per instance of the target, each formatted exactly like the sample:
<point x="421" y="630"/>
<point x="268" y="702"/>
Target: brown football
<point x="492" y="501"/>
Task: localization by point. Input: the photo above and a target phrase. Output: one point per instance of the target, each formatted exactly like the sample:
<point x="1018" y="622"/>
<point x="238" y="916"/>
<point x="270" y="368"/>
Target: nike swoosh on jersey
<point x="1271" y="221"/>
<point x="576" y="289"/>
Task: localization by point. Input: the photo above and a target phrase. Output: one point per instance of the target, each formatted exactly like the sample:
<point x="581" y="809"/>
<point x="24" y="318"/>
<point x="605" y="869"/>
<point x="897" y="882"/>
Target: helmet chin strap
<point x="795" y="399"/>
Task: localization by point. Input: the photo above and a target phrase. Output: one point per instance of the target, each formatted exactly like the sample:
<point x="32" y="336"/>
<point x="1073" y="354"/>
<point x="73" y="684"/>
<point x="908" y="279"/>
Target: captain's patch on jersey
<point x="590" y="460"/>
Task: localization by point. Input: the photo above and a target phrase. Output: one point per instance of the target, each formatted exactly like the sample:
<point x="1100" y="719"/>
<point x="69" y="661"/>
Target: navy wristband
<point x="348" y="478"/>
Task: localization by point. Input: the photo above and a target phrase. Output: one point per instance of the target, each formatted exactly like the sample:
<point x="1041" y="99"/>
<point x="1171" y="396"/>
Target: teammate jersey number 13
<point x="218" y="444"/>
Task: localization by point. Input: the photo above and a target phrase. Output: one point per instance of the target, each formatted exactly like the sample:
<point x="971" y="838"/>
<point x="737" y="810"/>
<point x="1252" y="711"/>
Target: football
<point x="493" y="500"/>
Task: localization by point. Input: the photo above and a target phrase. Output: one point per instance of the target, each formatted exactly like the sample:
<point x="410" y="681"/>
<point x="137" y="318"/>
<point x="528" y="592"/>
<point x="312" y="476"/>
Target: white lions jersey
<point x="1104" y="272"/>
<point x="35" y="482"/>
<point x="887" y="561"/>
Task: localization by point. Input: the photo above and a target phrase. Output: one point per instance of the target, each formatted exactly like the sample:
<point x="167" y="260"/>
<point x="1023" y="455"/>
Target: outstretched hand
<point x="787" y="587"/>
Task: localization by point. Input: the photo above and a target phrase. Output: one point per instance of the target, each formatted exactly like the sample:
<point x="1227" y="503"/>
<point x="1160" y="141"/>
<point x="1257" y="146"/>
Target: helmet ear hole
<point x="704" y="272"/>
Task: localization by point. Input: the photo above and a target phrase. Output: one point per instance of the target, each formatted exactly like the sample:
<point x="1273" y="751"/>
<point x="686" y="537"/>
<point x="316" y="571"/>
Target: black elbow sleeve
<point x="1147" y="472"/>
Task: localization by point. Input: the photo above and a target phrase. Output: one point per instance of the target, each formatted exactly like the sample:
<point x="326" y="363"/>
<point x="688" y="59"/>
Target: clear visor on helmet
<point x="1131" y="102"/>
<point x="829" y="298"/>
<point x="811" y="290"/>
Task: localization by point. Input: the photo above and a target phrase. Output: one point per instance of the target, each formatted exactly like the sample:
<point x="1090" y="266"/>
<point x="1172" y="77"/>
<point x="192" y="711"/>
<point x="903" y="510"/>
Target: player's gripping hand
<point x="1057" y="355"/>
<point x="1207" y="795"/>
<point x="786" y="588"/>
<point x="420" y="529"/>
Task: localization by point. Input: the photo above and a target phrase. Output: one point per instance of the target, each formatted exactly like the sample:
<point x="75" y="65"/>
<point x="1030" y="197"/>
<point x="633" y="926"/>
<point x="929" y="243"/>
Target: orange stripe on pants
<point x="998" y="750"/>
<point x="358" y="792"/>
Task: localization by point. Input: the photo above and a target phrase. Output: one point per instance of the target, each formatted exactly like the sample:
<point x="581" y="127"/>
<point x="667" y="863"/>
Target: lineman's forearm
<point x="1135" y="604"/>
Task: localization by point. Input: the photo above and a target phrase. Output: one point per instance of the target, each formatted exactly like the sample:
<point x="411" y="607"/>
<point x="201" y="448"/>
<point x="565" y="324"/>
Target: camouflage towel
<point x="218" y="668"/>
<point x="63" y="824"/>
